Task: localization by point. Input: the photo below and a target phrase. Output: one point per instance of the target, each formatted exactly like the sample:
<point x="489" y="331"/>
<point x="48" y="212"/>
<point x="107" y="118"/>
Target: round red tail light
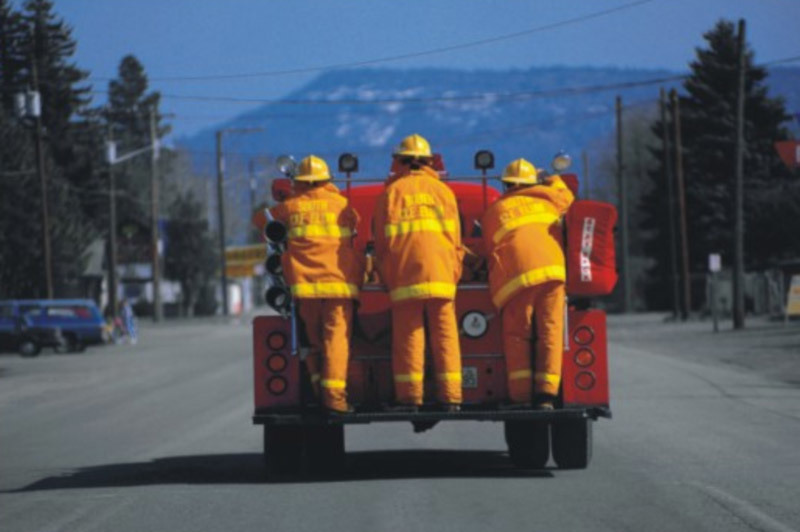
<point x="277" y="385"/>
<point x="583" y="335"/>
<point x="276" y="340"/>
<point x="276" y="362"/>
<point x="584" y="357"/>
<point x="585" y="380"/>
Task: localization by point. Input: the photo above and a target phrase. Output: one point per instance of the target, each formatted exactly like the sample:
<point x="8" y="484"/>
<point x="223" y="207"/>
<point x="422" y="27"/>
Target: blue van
<point x="79" y="320"/>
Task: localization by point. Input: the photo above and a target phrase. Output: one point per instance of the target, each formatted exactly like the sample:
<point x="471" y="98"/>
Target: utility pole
<point x="738" y="192"/>
<point x="112" y="224"/>
<point x="221" y="210"/>
<point x="158" y="313"/>
<point x="687" y="281"/>
<point x="221" y="214"/>
<point x="623" y="213"/>
<point x="673" y="251"/>
<point x="587" y="189"/>
<point x="251" y="166"/>
<point x="37" y="114"/>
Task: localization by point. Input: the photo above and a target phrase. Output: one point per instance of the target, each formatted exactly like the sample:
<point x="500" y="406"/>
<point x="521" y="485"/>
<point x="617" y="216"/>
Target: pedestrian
<point x="324" y="273"/>
<point x="524" y="250"/>
<point x="418" y="254"/>
<point x="129" y="320"/>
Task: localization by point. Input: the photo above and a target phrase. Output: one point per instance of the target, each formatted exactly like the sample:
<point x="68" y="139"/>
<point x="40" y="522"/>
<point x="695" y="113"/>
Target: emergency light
<point x="275" y="232"/>
<point x="484" y="160"/>
<point x="561" y="161"/>
<point x="286" y="164"/>
<point x="278" y="298"/>
<point x="348" y="163"/>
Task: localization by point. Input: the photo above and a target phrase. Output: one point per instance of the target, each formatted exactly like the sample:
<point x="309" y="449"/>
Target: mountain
<point x="529" y="113"/>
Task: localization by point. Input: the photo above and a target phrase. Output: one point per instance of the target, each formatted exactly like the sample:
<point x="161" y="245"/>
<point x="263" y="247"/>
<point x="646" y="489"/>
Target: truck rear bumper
<point x="315" y="416"/>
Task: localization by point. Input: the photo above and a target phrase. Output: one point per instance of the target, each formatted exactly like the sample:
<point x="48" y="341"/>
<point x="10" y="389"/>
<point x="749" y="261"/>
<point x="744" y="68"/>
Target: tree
<point x="37" y="38"/>
<point x="191" y="257"/>
<point x="708" y="111"/>
<point x="128" y="116"/>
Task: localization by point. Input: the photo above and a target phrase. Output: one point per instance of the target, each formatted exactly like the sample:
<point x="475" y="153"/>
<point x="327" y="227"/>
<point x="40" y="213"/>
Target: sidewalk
<point x="769" y="348"/>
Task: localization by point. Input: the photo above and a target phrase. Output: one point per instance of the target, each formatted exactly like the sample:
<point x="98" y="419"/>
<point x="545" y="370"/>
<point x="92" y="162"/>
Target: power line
<point x="400" y="57"/>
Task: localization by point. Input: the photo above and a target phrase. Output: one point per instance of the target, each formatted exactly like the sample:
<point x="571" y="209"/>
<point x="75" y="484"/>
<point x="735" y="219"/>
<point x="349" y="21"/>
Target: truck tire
<point x="325" y="449"/>
<point x="572" y="443"/>
<point x="283" y="450"/>
<point x="28" y="349"/>
<point x="528" y="443"/>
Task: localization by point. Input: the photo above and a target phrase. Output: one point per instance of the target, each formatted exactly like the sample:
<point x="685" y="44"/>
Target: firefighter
<point x="523" y="244"/>
<point x="323" y="272"/>
<point x="418" y="254"/>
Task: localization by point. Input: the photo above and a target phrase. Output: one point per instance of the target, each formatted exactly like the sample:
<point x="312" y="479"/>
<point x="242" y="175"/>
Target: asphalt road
<point x="157" y="437"/>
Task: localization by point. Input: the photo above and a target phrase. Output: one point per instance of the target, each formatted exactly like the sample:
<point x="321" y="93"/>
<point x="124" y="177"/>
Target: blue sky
<point x="175" y="38"/>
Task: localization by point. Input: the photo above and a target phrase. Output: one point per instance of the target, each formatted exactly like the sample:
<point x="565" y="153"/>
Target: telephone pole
<point x="673" y="252"/>
<point x="738" y="192"/>
<point x="112" y="225"/>
<point x="223" y="264"/>
<point x="158" y="313"/>
<point x="623" y="213"/>
<point x="36" y="109"/>
<point x="687" y="281"/>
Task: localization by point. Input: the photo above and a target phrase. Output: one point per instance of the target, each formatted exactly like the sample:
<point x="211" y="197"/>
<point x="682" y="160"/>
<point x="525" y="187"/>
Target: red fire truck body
<point x="298" y="434"/>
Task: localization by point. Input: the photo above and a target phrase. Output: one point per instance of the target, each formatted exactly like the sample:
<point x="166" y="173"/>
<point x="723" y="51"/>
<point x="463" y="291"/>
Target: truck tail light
<point x="583" y="335"/>
<point x="276" y="341"/>
<point x="276" y="363"/>
<point x="585" y="380"/>
<point x="277" y="385"/>
<point x="584" y="357"/>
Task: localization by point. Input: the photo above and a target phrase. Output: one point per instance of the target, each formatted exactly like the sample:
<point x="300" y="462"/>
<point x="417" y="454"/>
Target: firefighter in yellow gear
<point x="419" y="252"/>
<point x="323" y="272"/>
<point x="523" y="243"/>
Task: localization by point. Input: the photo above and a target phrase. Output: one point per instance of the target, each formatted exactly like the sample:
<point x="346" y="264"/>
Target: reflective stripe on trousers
<point x="408" y="349"/>
<point x="423" y="290"/>
<point x="328" y="325"/>
<point x="543" y="303"/>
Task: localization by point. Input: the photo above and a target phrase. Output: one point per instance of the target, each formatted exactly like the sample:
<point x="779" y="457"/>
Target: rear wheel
<point x="28" y="348"/>
<point x="528" y="443"/>
<point x="572" y="443"/>
<point x="283" y="450"/>
<point x="325" y="449"/>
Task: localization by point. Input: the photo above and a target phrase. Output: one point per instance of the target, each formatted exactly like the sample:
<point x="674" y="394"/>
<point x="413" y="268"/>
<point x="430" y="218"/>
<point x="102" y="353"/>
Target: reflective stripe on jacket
<point x="320" y="261"/>
<point x="522" y="238"/>
<point x="418" y="237"/>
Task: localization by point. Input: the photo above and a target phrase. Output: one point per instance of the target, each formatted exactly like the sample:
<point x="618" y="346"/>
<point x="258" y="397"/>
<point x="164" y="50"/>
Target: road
<point x="157" y="437"/>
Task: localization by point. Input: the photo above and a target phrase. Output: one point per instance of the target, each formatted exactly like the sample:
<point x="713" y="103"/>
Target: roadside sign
<point x="714" y="262"/>
<point x="793" y="299"/>
<point x="789" y="151"/>
<point x="243" y="261"/>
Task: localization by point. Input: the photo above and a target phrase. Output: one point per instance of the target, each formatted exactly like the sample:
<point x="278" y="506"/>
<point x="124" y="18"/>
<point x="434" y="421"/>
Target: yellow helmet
<point x="414" y="146"/>
<point x="312" y="169"/>
<point x="520" y="172"/>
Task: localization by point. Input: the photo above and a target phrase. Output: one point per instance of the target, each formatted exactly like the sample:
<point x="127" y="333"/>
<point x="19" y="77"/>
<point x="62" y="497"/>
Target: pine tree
<point x="128" y="114"/>
<point x="708" y="112"/>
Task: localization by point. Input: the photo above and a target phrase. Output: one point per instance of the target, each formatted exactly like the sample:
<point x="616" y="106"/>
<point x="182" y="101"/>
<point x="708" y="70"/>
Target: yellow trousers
<point x="408" y="349"/>
<point x="328" y="324"/>
<point x="545" y="304"/>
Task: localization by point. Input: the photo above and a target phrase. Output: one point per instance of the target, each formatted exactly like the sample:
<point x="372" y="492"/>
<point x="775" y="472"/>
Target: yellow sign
<point x="793" y="300"/>
<point x="241" y="261"/>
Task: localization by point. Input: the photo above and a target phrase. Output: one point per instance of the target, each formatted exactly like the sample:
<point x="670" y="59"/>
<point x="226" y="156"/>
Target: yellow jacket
<point x="418" y="237"/>
<point x="320" y="261"/>
<point x="522" y="238"/>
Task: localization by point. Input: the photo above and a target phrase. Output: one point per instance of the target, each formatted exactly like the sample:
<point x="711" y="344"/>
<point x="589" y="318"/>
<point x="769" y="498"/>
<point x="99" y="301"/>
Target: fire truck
<point x="300" y="437"/>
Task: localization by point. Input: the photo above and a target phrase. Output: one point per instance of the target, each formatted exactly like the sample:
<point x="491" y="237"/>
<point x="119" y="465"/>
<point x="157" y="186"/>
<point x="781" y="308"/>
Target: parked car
<point x="18" y="333"/>
<point x="78" y="320"/>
